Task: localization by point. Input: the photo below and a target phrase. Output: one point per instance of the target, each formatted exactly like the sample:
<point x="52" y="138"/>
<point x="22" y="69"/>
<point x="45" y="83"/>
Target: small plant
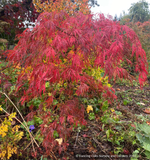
<point x="144" y="137"/>
<point x="118" y="131"/>
<point x="98" y="74"/>
<point x="135" y="155"/>
<point x="9" y="137"/>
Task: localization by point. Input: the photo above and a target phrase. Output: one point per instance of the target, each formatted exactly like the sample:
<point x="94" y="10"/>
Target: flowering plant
<point x="9" y="136"/>
<point x="31" y="128"/>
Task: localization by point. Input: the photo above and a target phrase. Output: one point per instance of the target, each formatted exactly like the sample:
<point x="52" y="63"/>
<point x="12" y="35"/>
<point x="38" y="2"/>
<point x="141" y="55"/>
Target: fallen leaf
<point x="72" y="153"/>
<point x="92" y="149"/>
<point x="133" y="125"/>
<point x="142" y="103"/>
<point x="125" y="151"/>
<point x="84" y="135"/>
<point x="147" y="110"/>
<point x="148" y="122"/>
<point x="59" y="140"/>
<point x="118" y="89"/>
<point x="13" y="122"/>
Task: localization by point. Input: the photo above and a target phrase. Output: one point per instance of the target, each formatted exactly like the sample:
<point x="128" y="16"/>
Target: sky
<point x="113" y="7"/>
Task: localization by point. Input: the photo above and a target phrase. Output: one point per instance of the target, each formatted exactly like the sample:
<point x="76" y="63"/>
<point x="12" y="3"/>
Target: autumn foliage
<point x="55" y="57"/>
<point x="143" y="32"/>
<point x="62" y="5"/>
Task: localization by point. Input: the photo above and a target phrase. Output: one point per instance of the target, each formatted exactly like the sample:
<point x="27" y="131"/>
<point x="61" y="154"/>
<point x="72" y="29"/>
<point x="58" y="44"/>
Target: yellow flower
<point x="13" y="115"/>
<point x="89" y="108"/>
<point x="18" y="136"/>
<point x="3" y="154"/>
<point x="3" y="130"/>
<point x="9" y="151"/>
<point x="3" y="134"/>
<point x="7" y="122"/>
<point x="15" y="128"/>
<point x="1" y="109"/>
<point x="15" y="150"/>
<point x="112" y="110"/>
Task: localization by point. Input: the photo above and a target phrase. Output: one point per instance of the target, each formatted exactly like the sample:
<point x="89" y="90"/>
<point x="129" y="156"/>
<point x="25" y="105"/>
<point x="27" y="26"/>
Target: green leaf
<point x="62" y="97"/>
<point x="146" y="146"/>
<point x="144" y="128"/>
<point x="100" y="101"/>
<point x="108" y="133"/>
<point x="91" y="116"/>
<point x="47" y="85"/>
<point x="145" y="141"/>
<point x="132" y="133"/>
<point x="97" y="110"/>
<point x="135" y="155"/>
<point x="147" y="153"/>
<point x="91" y="101"/>
<point x="43" y="158"/>
<point x="104" y="118"/>
<point x="119" y="128"/>
<point x="55" y="134"/>
<point x="118" y="112"/>
<point x="85" y="100"/>
<point x="125" y="102"/>
<point x="21" y="126"/>
<point x="105" y="106"/>
<point x="38" y="120"/>
<point x="30" y="123"/>
<point x="37" y="102"/>
<point x="55" y="102"/>
<point x="39" y="138"/>
<point x="12" y="88"/>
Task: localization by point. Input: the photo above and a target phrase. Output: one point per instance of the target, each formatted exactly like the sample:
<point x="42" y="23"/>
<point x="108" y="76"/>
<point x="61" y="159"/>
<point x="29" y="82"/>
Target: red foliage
<point x="59" y="50"/>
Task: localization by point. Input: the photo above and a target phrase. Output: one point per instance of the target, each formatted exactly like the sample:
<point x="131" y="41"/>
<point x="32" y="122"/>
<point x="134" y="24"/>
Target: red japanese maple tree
<point x="58" y="51"/>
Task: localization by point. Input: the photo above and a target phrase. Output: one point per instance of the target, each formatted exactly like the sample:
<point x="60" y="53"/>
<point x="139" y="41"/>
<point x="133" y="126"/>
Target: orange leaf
<point x="148" y="122"/>
<point x="147" y="110"/>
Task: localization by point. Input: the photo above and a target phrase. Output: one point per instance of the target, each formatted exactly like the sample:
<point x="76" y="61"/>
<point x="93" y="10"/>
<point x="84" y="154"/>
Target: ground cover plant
<point x="59" y="80"/>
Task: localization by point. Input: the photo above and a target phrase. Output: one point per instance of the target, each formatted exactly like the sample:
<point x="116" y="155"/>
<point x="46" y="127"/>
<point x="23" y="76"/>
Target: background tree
<point x="3" y="42"/>
<point x="15" y="13"/>
<point x="143" y="32"/>
<point x="138" y="19"/>
<point x="139" y="12"/>
<point x="71" y="6"/>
